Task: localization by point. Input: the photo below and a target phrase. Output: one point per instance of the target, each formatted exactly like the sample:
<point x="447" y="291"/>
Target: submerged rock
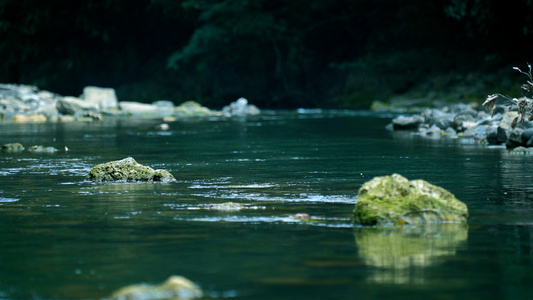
<point x="127" y="169"/>
<point x="175" y="287"/>
<point x="394" y="200"/>
<point x="227" y="206"/>
<point x="13" y="147"/>
<point x="33" y="118"/>
<point x="193" y="109"/>
<point x="18" y="147"/>
<point x="41" y="149"/>
<point x="162" y="127"/>
<point x="521" y="150"/>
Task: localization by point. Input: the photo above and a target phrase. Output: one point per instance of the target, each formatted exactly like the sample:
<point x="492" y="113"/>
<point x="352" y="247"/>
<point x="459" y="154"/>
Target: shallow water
<point x="66" y="238"/>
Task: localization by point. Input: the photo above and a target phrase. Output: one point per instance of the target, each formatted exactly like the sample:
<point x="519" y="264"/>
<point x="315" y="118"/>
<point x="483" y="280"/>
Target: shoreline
<point x="24" y="103"/>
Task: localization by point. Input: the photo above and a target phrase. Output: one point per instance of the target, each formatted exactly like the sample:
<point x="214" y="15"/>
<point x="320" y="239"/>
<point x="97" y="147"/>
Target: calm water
<point x="63" y="237"/>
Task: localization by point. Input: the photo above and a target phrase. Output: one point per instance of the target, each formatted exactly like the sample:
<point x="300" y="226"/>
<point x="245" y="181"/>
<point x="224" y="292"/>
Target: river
<point x="63" y="237"/>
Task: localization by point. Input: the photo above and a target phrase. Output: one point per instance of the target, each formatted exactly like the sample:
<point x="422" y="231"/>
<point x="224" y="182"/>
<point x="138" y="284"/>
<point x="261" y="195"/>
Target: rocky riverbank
<point x="23" y="103"/>
<point x="470" y="123"/>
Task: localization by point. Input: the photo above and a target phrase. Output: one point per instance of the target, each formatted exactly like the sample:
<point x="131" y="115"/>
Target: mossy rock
<point x="126" y="170"/>
<point x="175" y="287"/>
<point x="394" y="200"/>
<point x="193" y="109"/>
<point x="41" y="149"/>
<point x="13" y="148"/>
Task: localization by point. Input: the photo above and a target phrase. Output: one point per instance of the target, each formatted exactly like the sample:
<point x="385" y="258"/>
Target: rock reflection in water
<point x="402" y="253"/>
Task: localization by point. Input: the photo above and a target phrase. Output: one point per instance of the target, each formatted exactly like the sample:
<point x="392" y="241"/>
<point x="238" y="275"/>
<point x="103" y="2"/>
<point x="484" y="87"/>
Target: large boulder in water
<point x="127" y="169"/>
<point x="394" y="200"/>
<point x="176" y="287"/>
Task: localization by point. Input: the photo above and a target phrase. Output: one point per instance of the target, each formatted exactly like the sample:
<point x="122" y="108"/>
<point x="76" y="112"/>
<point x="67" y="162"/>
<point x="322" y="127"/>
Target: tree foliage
<point x="493" y="17"/>
<point x="276" y="53"/>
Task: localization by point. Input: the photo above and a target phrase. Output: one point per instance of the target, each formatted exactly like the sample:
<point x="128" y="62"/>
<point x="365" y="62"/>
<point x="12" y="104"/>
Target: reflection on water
<point x="402" y="253"/>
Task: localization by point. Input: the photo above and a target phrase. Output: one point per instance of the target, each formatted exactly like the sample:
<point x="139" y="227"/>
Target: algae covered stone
<point x="175" y="287"/>
<point x="193" y="109"/>
<point x="42" y="149"/>
<point x="394" y="200"/>
<point x="127" y="169"/>
<point x="13" y="148"/>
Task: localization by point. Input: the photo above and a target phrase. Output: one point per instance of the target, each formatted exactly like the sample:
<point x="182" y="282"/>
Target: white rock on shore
<point x="240" y="108"/>
<point x="137" y="108"/>
<point x="104" y="98"/>
<point x="74" y="106"/>
<point x="21" y="103"/>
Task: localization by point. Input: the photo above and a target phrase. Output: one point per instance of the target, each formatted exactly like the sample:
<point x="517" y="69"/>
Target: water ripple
<point x="298" y="198"/>
<point x="322" y="222"/>
<point x="8" y="200"/>
<point x="50" y="166"/>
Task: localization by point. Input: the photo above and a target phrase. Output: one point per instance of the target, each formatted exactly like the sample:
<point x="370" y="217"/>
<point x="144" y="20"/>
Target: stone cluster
<point x="23" y="103"/>
<point x="463" y="121"/>
<point x="18" y="148"/>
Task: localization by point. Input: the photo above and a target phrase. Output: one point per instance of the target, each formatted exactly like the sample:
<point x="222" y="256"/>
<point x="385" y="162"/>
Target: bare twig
<point x="523" y="104"/>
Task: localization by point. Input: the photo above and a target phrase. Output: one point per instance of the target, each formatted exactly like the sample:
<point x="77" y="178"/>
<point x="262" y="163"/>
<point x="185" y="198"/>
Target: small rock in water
<point x="193" y="109"/>
<point x="41" y="149"/>
<point x="175" y="287"/>
<point x="13" y="148"/>
<point x="162" y="126"/>
<point x="127" y="169"/>
<point x="228" y="206"/>
<point x="301" y="216"/>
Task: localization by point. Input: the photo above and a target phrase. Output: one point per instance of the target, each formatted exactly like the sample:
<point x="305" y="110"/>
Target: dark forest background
<point x="277" y="54"/>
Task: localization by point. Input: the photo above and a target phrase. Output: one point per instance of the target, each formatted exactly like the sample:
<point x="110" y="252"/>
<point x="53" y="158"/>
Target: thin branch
<point x="528" y="74"/>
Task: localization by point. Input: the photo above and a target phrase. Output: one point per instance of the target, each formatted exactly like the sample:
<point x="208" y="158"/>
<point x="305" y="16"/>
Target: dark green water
<point x="62" y="237"/>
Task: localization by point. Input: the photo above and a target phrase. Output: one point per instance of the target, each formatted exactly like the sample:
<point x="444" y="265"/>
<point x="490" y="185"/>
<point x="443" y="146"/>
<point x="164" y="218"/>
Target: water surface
<point x="63" y="237"/>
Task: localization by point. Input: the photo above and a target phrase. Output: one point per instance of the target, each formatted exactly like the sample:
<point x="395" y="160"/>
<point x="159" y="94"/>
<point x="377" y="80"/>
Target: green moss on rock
<point x="127" y="170"/>
<point x="13" y="148"/>
<point x="394" y="200"/>
<point x="193" y="109"/>
<point x="41" y="149"/>
<point x="175" y="287"/>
